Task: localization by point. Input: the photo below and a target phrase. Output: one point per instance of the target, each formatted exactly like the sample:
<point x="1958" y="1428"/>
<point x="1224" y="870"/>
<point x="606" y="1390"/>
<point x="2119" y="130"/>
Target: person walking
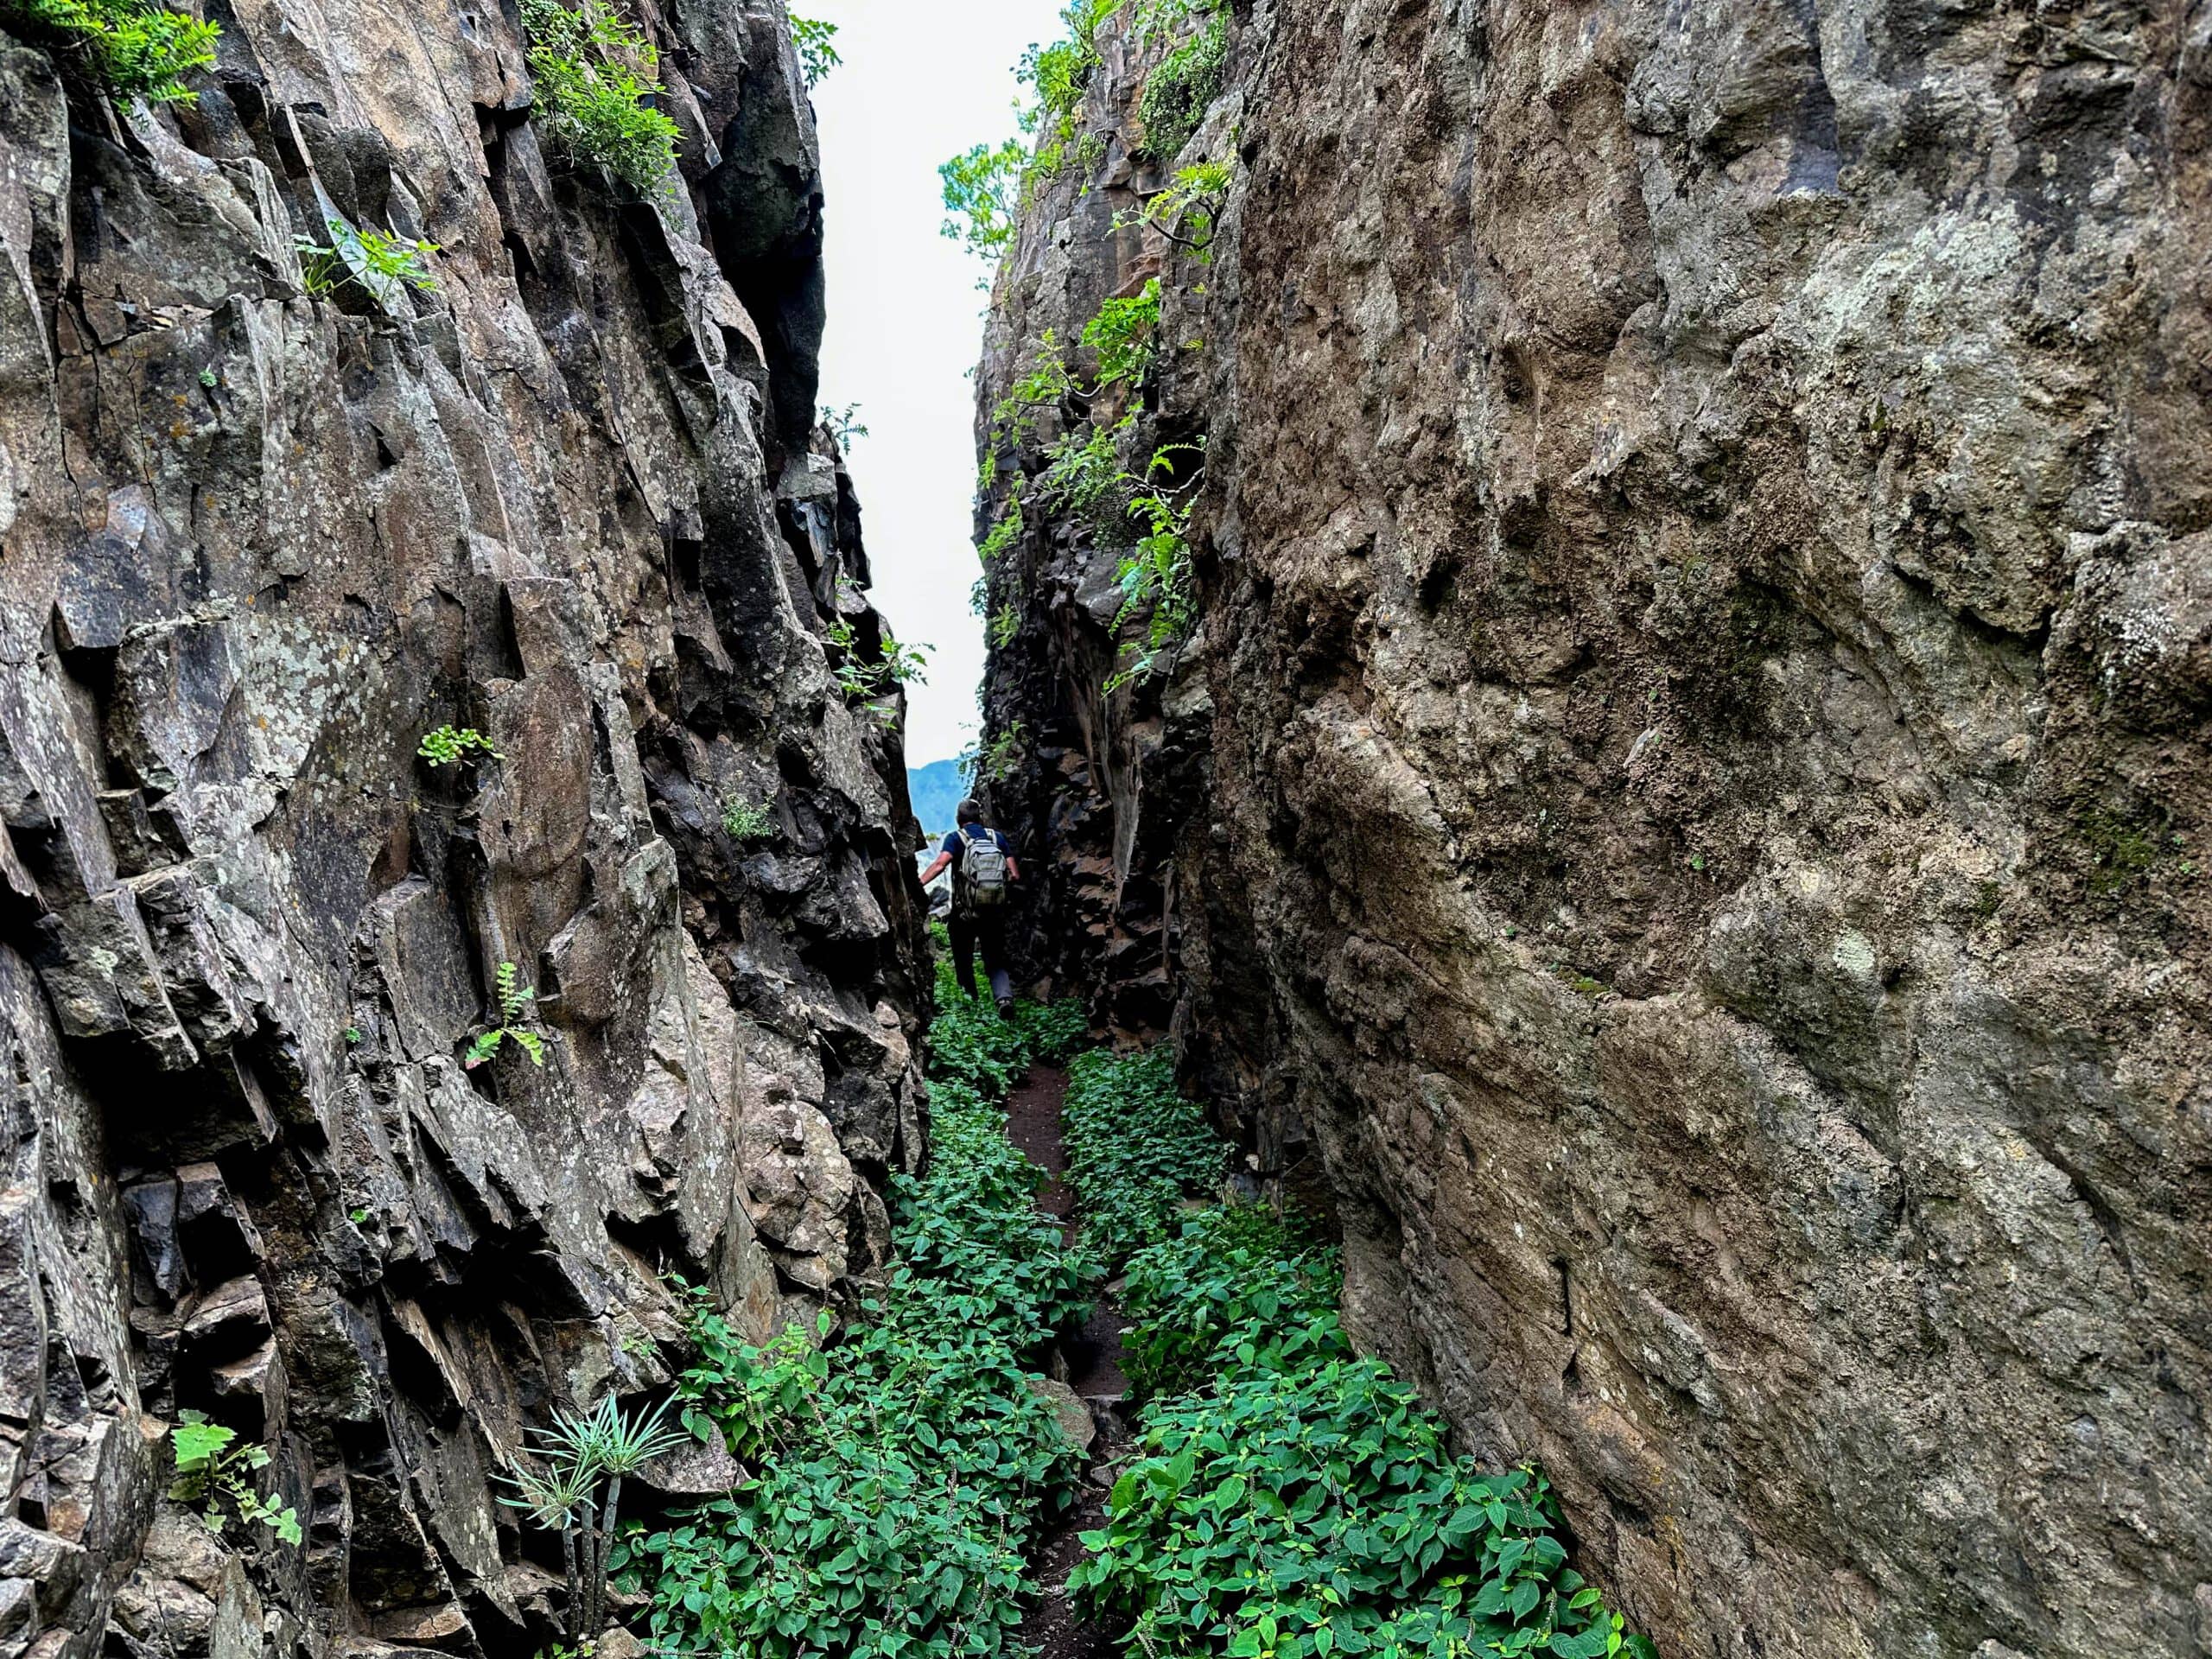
<point x="983" y="874"/>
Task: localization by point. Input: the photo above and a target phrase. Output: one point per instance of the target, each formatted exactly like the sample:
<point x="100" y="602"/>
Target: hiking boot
<point x="1006" y="1007"/>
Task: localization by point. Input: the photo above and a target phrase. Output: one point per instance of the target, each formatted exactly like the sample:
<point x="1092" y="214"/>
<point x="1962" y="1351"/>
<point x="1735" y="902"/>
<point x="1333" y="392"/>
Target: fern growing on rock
<point x="140" y="48"/>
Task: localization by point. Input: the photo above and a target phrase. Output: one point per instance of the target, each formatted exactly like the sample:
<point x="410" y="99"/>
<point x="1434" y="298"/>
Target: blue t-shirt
<point x="956" y="844"/>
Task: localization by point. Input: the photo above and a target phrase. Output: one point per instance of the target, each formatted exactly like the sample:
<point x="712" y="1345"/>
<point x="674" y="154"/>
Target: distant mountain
<point x="937" y="788"/>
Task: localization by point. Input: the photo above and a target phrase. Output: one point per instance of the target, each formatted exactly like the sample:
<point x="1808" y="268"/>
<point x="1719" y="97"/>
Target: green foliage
<point x="1083" y="473"/>
<point x="1137" y="1149"/>
<point x="816" y="56"/>
<point x="515" y="1001"/>
<point x="1007" y="530"/>
<point x="576" y="1490"/>
<point x="901" y="1467"/>
<point x="1053" y="1031"/>
<point x="140" y="48"/>
<point x="864" y="679"/>
<point x="1185" y="213"/>
<point x="743" y="821"/>
<point x="982" y="191"/>
<point x="844" y="423"/>
<point x="1295" y="1500"/>
<point x="372" y="260"/>
<point x="1001" y="758"/>
<point x="1155" y="576"/>
<point x="445" y="747"/>
<point x="212" y="1473"/>
<point x="1182" y="84"/>
<point x="1228" y="1278"/>
<point x="969" y="1043"/>
<point x="1006" y="624"/>
<point x="594" y="71"/>
<point x="1121" y="335"/>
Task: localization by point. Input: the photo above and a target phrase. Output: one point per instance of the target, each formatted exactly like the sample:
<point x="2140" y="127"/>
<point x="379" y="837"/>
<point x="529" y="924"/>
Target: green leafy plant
<point x="1155" y="575"/>
<point x="1182" y="86"/>
<point x="447" y="747"/>
<point x="744" y="821"/>
<point x="901" y="1462"/>
<point x="372" y="260"/>
<point x="515" y="1007"/>
<point x="213" y="1472"/>
<point x="139" y="48"/>
<point x="982" y="191"/>
<point x="817" y="56"/>
<point x="1186" y="212"/>
<point x="574" y="1488"/>
<point x="1006" y="627"/>
<point x="870" y="678"/>
<point x="1121" y="336"/>
<point x="1001" y="758"/>
<point x="594" y="71"/>
<point x="844" y="423"/>
<point x="1007" y="529"/>
<point x="1291" y="1498"/>
<point x="1137" y="1150"/>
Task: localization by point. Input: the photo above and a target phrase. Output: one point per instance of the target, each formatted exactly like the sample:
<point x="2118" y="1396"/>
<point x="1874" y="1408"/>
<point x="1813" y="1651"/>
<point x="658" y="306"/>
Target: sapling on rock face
<point x="578" y="1492"/>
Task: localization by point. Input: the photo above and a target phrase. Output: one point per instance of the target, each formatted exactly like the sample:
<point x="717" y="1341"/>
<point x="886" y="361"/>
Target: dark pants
<point x="989" y="932"/>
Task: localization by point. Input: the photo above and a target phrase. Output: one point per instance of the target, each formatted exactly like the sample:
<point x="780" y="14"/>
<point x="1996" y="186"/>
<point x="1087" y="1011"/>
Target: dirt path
<point x="1052" y="1630"/>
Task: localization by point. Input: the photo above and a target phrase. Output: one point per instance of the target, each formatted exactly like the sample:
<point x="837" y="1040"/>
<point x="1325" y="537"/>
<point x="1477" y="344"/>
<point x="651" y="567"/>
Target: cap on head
<point x="971" y="813"/>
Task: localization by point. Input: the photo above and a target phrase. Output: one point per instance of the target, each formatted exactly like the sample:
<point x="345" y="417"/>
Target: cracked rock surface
<point x="254" y="544"/>
<point x="1682" y="823"/>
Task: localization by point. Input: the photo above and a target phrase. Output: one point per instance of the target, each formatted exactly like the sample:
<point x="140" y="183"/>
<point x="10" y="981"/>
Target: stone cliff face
<point x="256" y="544"/>
<point x="1682" y="820"/>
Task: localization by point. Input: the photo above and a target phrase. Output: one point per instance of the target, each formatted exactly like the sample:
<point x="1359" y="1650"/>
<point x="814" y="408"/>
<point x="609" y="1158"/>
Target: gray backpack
<point x="982" y="870"/>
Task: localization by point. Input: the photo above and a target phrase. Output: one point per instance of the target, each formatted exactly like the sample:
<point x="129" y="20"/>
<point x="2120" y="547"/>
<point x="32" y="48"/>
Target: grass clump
<point x="1137" y="1150"/>
<point x="901" y="1466"/>
<point x="593" y="70"/>
<point x="140" y="48"/>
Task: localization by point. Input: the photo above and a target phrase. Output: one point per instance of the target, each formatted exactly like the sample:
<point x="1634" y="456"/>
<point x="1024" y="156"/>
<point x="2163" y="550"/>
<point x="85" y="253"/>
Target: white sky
<point x="905" y="318"/>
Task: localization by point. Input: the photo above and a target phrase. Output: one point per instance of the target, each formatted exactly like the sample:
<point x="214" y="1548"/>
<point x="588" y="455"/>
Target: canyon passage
<point x="1599" y="668"/>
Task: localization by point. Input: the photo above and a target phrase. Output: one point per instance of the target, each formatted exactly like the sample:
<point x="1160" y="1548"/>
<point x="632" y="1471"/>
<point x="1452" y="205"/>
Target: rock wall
<point x="256" y="543"/>
<point x="1682" y="822"/>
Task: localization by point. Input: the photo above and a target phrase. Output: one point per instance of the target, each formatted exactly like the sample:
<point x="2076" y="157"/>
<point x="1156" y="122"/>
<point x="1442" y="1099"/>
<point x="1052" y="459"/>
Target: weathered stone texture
<point x="1706" y="659"/>
<point x="256" y="543"/>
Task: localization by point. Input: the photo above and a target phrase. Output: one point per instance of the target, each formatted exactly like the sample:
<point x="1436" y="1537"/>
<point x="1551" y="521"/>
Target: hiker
<point x="983" y="874"/>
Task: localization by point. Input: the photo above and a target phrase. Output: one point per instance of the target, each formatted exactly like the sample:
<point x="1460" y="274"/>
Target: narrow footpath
<point x="1054" y="1630"/>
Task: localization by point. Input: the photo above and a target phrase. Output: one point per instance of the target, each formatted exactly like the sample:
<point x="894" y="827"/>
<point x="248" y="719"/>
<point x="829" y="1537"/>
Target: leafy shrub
<point x="863" y="679"/>
<point x="1053" y="1031"/>
<point x="593" y="70"/>
<point x="1230" y="1280"/>
<point x="1182" y="84"/>
<point x="140" y="48"/>
<point x="213" y="1472"/>
<point x="901" y="1469"/>
<point x="1293" y="1499"/>
<point x="969" y="1043"/>
<point x="1121" y="335"/>
<point x="744" y="820"/>
<point x="982" y="191"/>
<point x="816" y="56"/>
<point x="372" y="260"/>
<point x="1137" y="1149"/>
